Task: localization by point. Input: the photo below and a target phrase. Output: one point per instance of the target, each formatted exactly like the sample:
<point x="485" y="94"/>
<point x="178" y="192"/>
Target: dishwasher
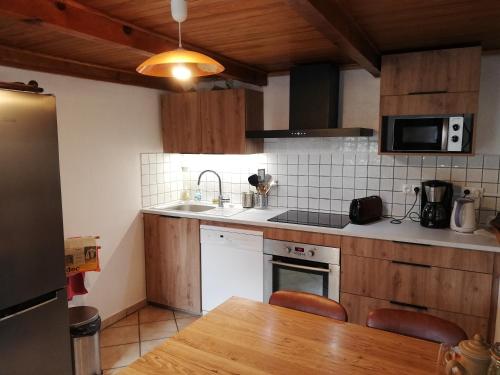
<point x="231" y="265"/>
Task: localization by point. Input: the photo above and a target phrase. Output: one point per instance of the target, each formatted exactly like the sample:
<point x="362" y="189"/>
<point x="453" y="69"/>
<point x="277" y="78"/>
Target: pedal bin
<point x="85" y="323"/>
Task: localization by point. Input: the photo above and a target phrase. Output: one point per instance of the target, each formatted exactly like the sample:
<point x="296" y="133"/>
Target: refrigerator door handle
<point x="17" y="313"/>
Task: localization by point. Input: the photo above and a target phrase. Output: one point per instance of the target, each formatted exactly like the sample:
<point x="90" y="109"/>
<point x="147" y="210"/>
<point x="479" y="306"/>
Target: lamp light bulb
<point x="181" y="72"/>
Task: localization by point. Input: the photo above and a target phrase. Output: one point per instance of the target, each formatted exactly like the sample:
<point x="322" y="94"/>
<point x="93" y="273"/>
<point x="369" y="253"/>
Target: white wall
<point x="488" y="130"/>
<point x="103" y="127"/>
<point x="276" y="103"/>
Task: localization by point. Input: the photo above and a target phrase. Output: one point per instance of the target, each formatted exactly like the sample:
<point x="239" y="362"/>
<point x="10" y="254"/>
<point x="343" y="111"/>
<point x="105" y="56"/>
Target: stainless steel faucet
<point x="221" y="198"/>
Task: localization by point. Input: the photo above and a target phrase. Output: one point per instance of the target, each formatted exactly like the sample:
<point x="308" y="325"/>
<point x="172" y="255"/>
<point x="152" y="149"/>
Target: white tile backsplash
<point x="318" y="174"/>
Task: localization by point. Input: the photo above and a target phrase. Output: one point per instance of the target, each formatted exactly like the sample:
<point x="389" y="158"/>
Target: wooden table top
<point x="247" y="337"/>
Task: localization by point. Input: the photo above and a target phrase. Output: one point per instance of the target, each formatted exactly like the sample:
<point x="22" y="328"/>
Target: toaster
<point x="365" y="210"/>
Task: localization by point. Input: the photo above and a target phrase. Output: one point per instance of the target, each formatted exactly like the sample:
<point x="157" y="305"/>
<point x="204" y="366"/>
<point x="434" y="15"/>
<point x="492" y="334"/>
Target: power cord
<point x="414" y="218"/>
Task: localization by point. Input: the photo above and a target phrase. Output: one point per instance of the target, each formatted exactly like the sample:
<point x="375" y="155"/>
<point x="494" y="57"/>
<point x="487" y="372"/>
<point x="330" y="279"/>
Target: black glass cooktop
<point x="318" y="219"/>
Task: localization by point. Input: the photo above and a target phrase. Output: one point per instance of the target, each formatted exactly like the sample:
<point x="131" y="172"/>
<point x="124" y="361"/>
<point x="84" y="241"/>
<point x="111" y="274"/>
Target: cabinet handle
<point x="411" y="243"/>
<point x="172" y="217"/>
<point x="418" y="307"/>
<point x="411" y="264"/>
<point x="428" y="92"/>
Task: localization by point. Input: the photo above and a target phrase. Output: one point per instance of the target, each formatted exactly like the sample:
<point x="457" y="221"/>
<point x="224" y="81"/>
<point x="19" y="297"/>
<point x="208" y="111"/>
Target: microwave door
<point x="419" y="134"/>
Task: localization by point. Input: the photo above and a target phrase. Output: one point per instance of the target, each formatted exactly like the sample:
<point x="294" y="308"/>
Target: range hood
<point x="314" y="105"/>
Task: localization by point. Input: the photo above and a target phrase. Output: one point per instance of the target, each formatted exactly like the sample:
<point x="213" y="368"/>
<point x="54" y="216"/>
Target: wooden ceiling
<point x="109" y="38"/>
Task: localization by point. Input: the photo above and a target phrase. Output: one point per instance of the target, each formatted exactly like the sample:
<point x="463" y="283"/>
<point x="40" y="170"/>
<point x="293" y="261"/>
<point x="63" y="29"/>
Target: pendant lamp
<point x="180" y="63"/>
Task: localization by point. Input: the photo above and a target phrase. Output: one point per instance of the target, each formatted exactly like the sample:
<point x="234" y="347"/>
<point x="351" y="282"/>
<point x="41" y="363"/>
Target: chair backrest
<point x="416" y="324"/>
<point x="310" y="303"/>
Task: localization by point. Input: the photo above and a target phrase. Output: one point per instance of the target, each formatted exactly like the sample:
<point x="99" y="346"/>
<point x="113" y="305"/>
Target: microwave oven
<point x="437" y="133"/>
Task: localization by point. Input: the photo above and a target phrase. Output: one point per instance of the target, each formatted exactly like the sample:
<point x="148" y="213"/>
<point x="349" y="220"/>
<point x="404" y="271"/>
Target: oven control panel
<point x="301" y="251"/>
<point x="329" y="255"/>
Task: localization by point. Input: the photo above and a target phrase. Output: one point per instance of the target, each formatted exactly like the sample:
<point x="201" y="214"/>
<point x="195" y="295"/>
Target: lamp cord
<point x="180" y="35"/>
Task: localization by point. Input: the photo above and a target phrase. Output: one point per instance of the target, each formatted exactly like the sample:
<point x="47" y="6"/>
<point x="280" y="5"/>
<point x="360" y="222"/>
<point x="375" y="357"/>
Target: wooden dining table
<point x="247" y="337"/>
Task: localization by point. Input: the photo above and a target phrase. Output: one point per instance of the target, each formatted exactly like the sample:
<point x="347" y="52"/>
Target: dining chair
<point x="416" y="324"/>
<point x="310" y="303"/>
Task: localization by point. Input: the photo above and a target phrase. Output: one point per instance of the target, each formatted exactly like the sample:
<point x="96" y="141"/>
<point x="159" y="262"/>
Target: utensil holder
<point x="261" y="201"/>
<point x="247" y="199"/>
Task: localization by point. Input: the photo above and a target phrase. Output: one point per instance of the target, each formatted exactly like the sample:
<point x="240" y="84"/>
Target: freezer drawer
<point x="36" y="340"/>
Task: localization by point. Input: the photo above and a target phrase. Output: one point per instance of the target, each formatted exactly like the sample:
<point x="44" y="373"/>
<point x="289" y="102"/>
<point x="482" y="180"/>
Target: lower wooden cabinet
<point x="453" y="284"/>
<point x="172" y="252"/>
<point x="358" y="307"/>
<point x="425" y="286"/>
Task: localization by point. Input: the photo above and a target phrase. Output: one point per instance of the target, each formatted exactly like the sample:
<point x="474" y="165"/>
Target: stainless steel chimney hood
<point x="314" y="102"/>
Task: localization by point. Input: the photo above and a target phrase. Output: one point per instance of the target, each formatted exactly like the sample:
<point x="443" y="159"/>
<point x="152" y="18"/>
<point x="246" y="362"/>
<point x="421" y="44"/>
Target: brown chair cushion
<point x="310" y="303"/>
<point x="415" y="324"/>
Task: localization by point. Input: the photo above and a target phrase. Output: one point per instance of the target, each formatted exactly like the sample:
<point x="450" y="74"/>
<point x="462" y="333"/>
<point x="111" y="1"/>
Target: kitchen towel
<point x="75" y="285"/>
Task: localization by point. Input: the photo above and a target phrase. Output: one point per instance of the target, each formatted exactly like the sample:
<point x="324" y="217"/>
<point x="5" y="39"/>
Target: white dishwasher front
<point x="231" y="265"/>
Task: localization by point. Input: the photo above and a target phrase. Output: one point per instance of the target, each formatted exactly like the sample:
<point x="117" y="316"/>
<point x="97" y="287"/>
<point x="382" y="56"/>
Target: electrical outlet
<point x="409" y="189"/>
<point x="475" y="192"/>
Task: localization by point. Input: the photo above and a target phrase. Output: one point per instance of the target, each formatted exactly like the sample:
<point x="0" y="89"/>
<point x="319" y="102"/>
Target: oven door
<point x="282" y="273"/>
<point x="419" y="133"/>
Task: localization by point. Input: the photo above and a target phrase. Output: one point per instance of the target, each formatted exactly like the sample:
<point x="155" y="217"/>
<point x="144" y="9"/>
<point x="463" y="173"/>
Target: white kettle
<point x="463" y="217"/>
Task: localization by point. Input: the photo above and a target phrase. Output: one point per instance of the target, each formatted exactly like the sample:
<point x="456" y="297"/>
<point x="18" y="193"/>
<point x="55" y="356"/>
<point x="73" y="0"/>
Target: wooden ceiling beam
<point x="76" y="19"/>
<point x="23" y="59"/>
<point x="335" y="23"/>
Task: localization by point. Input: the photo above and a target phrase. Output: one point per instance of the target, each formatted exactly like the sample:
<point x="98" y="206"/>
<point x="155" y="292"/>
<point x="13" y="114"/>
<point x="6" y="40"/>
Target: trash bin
<point x="84" y="325"/>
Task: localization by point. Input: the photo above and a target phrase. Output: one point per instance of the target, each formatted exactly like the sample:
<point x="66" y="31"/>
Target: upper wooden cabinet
<point x="429" y="72"/>
<point x="212" y="122"/>
<point x="181" y="123"/>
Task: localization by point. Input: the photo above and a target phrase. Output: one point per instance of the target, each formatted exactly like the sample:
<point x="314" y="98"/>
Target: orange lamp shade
<point x="180" y="62"/>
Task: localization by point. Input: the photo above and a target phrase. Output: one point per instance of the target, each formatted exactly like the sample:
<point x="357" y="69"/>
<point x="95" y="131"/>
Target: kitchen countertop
<point x="408" y="231"/>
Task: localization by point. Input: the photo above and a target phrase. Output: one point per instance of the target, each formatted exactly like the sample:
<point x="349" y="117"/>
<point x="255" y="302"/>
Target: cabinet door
<point x="173" y="262"/>
<point x="448" y="70"/>
<point x="429" y="104"/>
<point x="223" y="121"/>
<point x="181" y="123"/>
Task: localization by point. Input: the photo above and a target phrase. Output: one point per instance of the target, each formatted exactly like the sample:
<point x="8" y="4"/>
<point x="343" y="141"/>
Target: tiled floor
<point x="126" y="340"/>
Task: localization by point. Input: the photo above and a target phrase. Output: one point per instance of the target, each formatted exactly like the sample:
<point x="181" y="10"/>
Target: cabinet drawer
<point x="420" y="285"/>
<point x="302" y="237"/>
<point x="446" y="257"/>
<point x="358" y="307"/>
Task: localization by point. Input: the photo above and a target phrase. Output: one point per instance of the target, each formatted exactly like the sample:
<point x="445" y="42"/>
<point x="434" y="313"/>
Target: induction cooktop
<point x="318" y="219"/>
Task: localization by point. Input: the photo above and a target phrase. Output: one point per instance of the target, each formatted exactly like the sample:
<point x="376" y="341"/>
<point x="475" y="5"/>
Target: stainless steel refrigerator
<point x="34" y="332"/>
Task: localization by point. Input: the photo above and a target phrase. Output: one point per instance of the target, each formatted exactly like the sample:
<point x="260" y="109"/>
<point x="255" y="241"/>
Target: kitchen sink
<point x="191" y="208"/>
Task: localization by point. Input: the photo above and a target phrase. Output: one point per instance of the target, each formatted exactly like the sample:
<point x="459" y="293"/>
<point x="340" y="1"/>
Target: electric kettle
<point x="463" y="216"/>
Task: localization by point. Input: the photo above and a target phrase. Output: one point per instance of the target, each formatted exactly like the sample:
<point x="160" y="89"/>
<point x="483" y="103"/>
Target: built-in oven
<point x="437" y="133"/>
<point x="301" y="267"/>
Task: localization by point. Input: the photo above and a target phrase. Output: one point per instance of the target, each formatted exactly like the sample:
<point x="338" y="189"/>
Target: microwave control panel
<point x="455" y="133"/>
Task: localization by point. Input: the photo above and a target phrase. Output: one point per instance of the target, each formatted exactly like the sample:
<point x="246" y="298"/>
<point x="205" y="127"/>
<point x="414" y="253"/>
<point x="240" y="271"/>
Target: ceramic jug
<point x="474" y="358"/>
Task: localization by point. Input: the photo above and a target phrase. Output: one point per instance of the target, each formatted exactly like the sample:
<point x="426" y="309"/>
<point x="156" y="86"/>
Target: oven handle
<point x="300" y="267"/>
